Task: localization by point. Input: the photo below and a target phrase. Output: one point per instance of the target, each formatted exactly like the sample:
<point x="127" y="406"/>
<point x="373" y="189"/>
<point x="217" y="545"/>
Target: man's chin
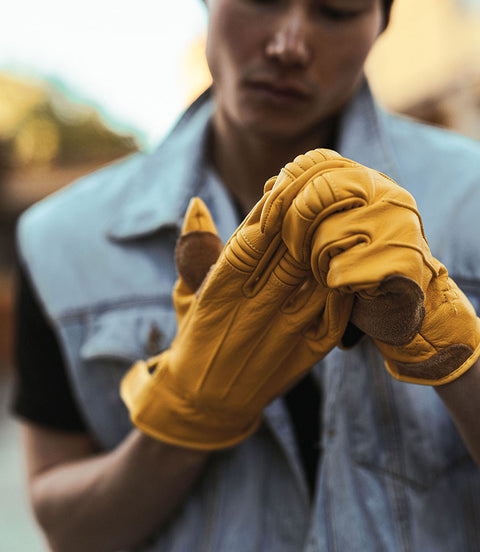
<point x="279" y="129"/>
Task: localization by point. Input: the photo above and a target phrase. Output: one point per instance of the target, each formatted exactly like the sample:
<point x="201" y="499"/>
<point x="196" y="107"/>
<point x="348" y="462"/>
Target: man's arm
<point x="85" y="500"/>
<point x="462" y="398"/>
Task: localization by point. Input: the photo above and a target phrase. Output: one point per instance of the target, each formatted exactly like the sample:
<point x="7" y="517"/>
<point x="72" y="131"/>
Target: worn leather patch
<point x="394" y="315"/>
<point x="195" y="253"/>
<point x="436" y="367"/>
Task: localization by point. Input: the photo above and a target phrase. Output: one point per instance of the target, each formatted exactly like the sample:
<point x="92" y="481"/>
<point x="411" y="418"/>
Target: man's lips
<point x="280" y="90"/>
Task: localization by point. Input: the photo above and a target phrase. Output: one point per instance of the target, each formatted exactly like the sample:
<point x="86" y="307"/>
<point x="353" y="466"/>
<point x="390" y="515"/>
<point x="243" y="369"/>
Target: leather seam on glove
<point x="250" y="244"/>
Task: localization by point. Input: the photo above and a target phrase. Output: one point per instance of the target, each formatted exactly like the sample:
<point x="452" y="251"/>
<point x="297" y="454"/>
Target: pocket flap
<point x="129" y="333"/>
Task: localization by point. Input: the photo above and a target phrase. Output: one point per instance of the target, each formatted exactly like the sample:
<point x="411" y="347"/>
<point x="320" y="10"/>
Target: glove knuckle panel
<point x="242" y="254"/>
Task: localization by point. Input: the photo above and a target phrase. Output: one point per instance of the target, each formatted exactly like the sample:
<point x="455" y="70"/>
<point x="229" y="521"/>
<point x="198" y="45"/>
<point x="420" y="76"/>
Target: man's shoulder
<point x="438" y="150"/>
<point x="91" y="196"/>
<point x="441" y="169"/>
<point x="64" y="241"/>
<point x="65" y="234"/>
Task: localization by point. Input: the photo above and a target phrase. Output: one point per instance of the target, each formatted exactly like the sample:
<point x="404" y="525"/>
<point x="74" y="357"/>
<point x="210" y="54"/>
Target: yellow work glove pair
<point x="423" y="324"/>
<point x="257" y="323"/>
<point x="327" y="234"/>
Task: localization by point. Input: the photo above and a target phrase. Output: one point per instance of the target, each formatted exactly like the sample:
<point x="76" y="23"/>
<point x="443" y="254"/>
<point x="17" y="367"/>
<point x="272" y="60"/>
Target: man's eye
<point x="336" y="13"/>
<point x="263" y="2"/>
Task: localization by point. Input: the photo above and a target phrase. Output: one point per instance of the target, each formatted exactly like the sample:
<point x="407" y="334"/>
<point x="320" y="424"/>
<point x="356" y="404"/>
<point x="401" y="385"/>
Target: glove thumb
<point x="198" y="246"/>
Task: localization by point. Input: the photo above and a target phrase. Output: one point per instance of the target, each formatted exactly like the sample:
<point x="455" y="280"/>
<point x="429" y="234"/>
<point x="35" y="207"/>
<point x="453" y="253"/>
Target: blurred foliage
<point x="39" y="125"/>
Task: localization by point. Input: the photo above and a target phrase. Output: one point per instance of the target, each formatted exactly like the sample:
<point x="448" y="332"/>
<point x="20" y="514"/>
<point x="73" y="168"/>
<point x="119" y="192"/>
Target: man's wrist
<point x="148" y="445"/>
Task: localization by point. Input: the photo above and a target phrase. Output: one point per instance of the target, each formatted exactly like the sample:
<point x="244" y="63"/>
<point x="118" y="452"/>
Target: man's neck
<point x="245" y="161"/>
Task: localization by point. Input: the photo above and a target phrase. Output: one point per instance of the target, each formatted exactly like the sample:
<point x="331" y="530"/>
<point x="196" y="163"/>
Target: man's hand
<point x="257" y="323"/>
<point x="423" y="324"/>
<point x="448" y="343"/>
<point x="361" y="233"/>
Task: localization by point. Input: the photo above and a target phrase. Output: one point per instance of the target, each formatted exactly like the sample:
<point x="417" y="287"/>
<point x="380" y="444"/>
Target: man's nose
<point x="289" y="43"/>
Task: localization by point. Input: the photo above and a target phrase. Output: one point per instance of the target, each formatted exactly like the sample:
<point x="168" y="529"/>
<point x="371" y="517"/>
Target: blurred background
<point x="84" y="84"/>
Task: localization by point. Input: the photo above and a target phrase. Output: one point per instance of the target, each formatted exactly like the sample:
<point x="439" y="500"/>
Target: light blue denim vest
<point x="394" y="474"/>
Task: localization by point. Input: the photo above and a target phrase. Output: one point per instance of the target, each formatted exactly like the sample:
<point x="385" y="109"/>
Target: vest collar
<point x="363" y="135"/>
<point x="158" y="193"/>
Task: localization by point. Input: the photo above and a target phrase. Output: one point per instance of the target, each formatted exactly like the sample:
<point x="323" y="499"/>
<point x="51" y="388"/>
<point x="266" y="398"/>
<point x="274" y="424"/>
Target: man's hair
<point x="387" y="5"/>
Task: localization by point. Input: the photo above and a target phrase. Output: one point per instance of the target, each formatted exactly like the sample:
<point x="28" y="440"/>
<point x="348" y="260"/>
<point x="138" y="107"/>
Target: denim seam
<point x="71" y="315"/>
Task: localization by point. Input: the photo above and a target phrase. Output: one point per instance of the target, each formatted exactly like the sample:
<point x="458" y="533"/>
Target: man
<point x="386" y="469"/>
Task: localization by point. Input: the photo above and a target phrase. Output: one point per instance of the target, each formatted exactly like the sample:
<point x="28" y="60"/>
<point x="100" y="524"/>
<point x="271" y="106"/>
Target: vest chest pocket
<point x="115" y="339"/>
<point x="399" y="430"/>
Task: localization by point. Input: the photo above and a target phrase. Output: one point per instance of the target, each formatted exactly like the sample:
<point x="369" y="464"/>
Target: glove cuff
<point x="164" y="414"/>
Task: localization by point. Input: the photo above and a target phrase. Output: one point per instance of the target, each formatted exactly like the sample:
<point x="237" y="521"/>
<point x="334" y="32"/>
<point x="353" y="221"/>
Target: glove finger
<point x="356" y="250"/>
<point x="326" y="330"/>
<point x="254" y="254"/>
<point x="317" y="312"/>
<point x="292" y="178"/>
<point x="275" y="274"/>
<point x="198" y="246"/>
<point x="319" y="200"/>
<point x="388" y="304"/>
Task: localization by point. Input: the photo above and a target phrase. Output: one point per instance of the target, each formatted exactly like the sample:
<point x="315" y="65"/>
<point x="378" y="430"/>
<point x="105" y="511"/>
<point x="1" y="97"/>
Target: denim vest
<point x="393" y="475"/>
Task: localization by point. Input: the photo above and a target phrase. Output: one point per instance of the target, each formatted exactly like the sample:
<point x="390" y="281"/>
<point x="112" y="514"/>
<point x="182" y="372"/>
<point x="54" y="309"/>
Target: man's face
<point x="281" y="67"/>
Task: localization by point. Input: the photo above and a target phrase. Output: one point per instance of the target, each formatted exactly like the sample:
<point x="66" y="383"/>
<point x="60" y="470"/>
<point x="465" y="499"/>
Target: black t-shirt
<point x="43" y="394"/>
<point x="42" y="391"/>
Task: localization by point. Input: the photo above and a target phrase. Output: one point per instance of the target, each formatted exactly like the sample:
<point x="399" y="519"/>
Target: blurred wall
<point x="427" y="63"/>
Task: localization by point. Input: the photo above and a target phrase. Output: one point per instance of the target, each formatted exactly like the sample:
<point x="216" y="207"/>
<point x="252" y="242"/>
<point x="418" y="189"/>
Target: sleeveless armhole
<point x="42" y="392"/>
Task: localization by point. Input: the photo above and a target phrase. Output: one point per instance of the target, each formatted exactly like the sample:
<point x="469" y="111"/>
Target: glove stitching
<point x="334" y="191"/>
<point x="449" y="289"/>
<point x="307" y="237"/>
<point x="271" y="200"/>
<point x="310" y="156"/>
<point x="251" y="245"/>
<point x="288" y="174"/>
<point x="466" y="365"/>
<point x="315" y="213"/>
<point x="301" y="162"/>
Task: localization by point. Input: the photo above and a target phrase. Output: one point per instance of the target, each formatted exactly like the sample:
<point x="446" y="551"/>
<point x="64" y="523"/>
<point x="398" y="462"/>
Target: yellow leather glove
<point x="257" y="323"/>
<point x="365" y="235"/>
<point x="448" y="343"/>
<point x="336" y="214"/>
